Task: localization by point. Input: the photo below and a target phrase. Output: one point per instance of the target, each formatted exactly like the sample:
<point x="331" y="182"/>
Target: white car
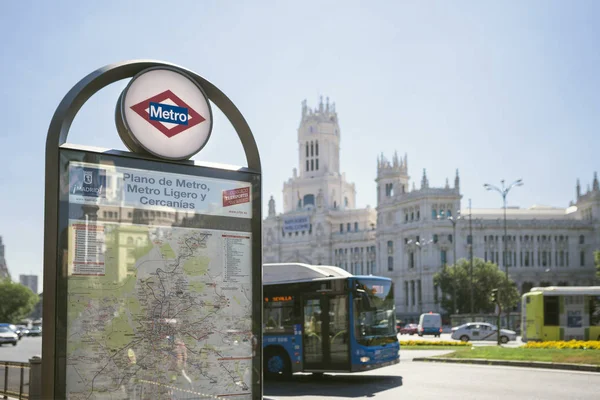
<point x="482" y="331"/>
<point x="8" y="336"/>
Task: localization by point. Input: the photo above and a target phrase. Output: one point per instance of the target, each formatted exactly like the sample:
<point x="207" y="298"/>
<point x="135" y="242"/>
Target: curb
<point x="510" y="363"/>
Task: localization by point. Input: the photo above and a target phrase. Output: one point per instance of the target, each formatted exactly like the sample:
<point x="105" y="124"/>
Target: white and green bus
<point x="561" y="313"/>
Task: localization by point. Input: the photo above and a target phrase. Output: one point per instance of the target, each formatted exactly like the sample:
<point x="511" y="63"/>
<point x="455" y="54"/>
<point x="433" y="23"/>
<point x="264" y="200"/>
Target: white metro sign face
<point x="164" y="113"/>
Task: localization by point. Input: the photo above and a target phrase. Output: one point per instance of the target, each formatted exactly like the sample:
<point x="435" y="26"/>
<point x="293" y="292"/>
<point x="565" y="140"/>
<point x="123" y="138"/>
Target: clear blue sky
<point x="496" y="89"/>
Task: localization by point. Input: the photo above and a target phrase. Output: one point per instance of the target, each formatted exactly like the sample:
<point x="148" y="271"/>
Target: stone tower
<point x="319" y="141"/>
<point x="392" y="178"/>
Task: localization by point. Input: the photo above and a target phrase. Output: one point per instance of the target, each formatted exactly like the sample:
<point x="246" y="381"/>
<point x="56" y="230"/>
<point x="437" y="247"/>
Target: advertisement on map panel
<point x="157" y="311"/>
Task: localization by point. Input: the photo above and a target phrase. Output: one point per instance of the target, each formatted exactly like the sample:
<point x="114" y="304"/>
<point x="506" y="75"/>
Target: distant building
<point x="409" y="236"/>
<point x="31" y="281"/>
<point x="3" y="267"/>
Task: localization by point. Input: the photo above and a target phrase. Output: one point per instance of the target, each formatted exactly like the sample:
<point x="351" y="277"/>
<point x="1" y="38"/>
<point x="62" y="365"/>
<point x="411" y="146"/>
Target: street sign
<point x="165" y="113"/>
<point x="152" y="262"/>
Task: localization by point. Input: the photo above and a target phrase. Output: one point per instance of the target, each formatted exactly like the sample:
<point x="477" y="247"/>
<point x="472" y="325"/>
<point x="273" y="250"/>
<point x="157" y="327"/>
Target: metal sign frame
<point x="56" y="211"/>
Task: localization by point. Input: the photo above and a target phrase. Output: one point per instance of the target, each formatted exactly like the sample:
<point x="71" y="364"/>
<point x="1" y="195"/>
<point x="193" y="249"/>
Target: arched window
<point x="390" y="262"/>
<point x="309" y="199"/>
<point x="316" y="148"/>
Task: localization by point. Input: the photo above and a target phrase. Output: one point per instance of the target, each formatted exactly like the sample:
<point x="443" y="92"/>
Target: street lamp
<point x="454" y="220"/>
<point x="503" y="192"/>
<point x="420" y="245"/>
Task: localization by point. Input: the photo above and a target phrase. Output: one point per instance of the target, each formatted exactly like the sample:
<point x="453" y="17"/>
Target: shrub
<point x="432" y="343"/>
<point x="571" y="344"/>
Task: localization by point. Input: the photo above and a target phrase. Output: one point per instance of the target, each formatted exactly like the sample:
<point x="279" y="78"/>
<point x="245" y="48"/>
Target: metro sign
<point x="168" y="113"/>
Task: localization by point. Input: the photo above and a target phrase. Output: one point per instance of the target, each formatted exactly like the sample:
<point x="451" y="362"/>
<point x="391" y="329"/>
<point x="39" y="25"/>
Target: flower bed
<point x="571" y="344"/>
<point x="444" y="343"/>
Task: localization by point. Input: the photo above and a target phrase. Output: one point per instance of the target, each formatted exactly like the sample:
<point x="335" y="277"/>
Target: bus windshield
<point x="374" y="312"/>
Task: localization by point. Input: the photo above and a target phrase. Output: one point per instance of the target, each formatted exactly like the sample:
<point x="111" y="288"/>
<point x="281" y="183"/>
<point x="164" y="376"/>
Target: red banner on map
<point x="236" y="196"/>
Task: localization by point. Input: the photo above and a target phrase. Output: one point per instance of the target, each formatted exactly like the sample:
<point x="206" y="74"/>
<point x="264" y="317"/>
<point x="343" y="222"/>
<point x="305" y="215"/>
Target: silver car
<point x="482" y="331"/>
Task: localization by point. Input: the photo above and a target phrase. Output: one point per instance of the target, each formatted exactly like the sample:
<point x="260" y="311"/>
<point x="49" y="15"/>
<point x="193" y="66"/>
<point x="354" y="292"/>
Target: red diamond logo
<point x="191" y="119"/>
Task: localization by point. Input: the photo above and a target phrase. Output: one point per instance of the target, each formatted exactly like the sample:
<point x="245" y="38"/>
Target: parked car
<point x="35" y="331"/>
<point x="12" y="328"/>
<point x="23" y="330"/>
<point x="7" y="335"/>
<point x="482" y="331"/>
<point x="409" y="329"/>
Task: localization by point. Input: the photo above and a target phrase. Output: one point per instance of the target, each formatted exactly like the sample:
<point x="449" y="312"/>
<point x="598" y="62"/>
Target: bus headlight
<point x="364" y="359"/>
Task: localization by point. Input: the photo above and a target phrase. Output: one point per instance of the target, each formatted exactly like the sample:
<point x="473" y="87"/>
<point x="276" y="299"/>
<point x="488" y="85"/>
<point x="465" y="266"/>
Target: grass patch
<point x="407" y="347"/>
<point x="437" y="344"/>
<point x="571" y="356"/>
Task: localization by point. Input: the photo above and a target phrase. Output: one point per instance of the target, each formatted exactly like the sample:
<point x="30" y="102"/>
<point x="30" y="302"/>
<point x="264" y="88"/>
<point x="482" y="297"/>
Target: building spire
<point x="578" y="189"/>
<point x="424" y="180"/>
<point x="457" y="180"/>
<point x="396" y="163"/>
<point x="447" y="184"/>
<point x="595" y="186"/>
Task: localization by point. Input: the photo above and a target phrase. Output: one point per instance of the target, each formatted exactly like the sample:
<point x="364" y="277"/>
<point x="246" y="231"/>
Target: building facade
<point x="416" y="229"/>
<point x="4" y="274"/>
<point x="31" y="281"/>
<point x="320" y="223"/>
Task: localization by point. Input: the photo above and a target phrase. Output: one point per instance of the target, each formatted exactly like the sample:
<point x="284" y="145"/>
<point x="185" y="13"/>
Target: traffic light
<point x="494" y="296"/>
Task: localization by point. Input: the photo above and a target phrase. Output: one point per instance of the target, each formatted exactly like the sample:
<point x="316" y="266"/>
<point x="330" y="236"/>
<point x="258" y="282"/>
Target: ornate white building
<point x="410" y="235"/>
<point x="319" y="223"/>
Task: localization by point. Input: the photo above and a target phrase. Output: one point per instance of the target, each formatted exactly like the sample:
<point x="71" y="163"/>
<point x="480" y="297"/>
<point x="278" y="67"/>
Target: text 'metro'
<point x="164" y="112"/>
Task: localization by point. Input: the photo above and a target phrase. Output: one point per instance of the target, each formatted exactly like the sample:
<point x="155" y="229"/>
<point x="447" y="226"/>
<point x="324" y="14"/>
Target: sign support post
<point x="152" y="262"/>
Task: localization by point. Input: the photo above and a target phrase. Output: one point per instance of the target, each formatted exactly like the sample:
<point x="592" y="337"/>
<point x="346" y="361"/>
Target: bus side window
<point x="551" y="311"/>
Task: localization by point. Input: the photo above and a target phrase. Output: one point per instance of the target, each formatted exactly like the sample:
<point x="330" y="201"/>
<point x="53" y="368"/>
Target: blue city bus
<point x="323" y="319"/>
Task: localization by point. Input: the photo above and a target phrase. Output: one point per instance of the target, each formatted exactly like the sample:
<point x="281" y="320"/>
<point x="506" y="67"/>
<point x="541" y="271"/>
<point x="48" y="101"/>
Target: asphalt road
<point x="418" y="380"/>
<point x="22" y="352"/>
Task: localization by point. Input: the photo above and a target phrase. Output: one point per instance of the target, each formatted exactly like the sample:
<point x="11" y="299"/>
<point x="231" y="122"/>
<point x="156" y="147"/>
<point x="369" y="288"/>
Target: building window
<point x="309" y="200"/>
<point x="312" y="165"/>
<point x="390" y="263"/>
<point x="317" y="164"/>
<point x="433" y="213"/>
<point x="406" y="217"/>
<point x="341" y="228"/>
<point x="412" y="216"/>
<point x="418" y="215"/>
<point x="306" y="149"/>
<point x="544" y="258"/>
<point x="581" y="239"/>
<point x="307" y="165"/>
<point x="411" y="260"/>
<point x="406" y="293"/>
<point x="390" y="247"/>
<point x="582" y="258"/>
<point x="316" y="148"/>
<point x="345" y="202"/>
<point x="469" y="239"/>
<point x="412" y="292"/>
<point x="348" y="225"/>
<point x="356" y="227"/>
<point x="435" y="238"/>
<point x="450" y="238"/>
<point x="444" y="257"/>
<point x="448" y="213"/>
<point x="485" y="256"/>
<point x="312" y="152"/>
<point x="526" y="261"/>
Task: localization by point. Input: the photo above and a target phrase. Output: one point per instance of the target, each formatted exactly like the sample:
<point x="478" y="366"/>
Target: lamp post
<point x="454" y="220"/>
<point x="503" y="192"/>
<point x="470" y="244"/>
<point x="420" y="246"/>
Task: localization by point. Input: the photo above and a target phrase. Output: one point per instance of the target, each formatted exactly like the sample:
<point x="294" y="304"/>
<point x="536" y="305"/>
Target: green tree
<point x="16" y="301"/>
<point x="455" y="280"/>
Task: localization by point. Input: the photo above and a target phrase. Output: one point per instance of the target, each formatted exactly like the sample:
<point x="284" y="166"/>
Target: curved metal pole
<point x="102" y="77"/>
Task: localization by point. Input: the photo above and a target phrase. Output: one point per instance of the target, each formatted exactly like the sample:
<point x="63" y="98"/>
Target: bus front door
<point x="326" y="339"/>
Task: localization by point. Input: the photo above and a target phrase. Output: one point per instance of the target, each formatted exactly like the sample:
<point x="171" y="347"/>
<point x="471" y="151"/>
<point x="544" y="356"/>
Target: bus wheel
<point x="464" y="338"/>
<point x="503" y="339"/>
<point x="276" y="364"/>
